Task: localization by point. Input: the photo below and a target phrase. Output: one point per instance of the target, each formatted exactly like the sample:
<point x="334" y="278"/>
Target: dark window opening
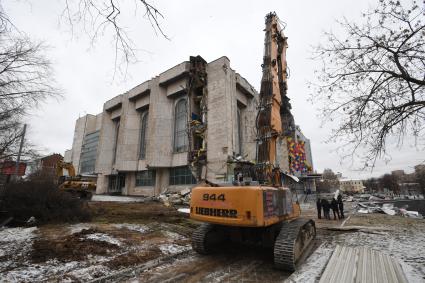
<point x="145" y="178"/>
<point x="180" y="125"/>
<point x="143" y="132"/>
<point x="181" y="176"/>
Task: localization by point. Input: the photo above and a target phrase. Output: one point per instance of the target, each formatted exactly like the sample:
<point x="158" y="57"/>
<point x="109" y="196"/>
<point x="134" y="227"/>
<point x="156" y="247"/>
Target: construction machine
<point x="257" y="207"/>
<point x="80" y="186"/>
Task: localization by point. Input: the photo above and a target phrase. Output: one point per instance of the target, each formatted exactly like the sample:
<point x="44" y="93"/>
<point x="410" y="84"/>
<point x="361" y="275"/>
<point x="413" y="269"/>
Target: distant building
<point x="420" y="168"/>
<point x="351" y="186"/>
<point x="398" y="173"/>
<point x="8" y="169"/>
<point x="409" y="189"/>
<point x="45" y="165"/>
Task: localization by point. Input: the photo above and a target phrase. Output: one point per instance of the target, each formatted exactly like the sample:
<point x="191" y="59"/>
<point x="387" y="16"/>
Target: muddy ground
<point x="125" y="241"/>
<point x="119" y="236"/>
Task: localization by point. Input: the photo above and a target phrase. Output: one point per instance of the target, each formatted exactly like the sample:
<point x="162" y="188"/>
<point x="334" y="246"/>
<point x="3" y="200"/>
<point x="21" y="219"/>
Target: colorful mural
<point x="297" y="157"/>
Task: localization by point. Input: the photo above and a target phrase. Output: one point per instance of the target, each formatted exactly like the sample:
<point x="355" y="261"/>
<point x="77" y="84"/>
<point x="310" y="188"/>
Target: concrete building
<point x="138" y="145"/>
<point x="398" y="173"/>
<point x="351" y="186"/>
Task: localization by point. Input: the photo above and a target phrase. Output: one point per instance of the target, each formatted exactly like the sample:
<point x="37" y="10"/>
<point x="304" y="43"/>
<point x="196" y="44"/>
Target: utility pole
<point x="20" y="151"/>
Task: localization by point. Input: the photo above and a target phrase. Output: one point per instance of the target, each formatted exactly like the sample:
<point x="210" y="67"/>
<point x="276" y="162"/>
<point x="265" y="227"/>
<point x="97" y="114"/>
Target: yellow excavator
<point x="80" y="186"/>
<point x="257" y="207"/>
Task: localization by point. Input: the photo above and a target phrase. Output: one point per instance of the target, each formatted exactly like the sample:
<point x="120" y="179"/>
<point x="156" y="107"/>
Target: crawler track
<point x="293" y="239"/>
<point x="201" y="238"/>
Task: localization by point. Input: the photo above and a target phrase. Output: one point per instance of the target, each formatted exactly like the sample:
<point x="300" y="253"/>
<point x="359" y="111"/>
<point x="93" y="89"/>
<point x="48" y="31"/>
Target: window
<point x="143" y="132"/>
<point x="145" y="178"/>
<point x="239" y="133"/>
<point x="88" y="152"/>
<point x="181" y="176"/>
<point x="117" y="130"/>
<point x="116" y="183"/>
<point x="180" y="124"/>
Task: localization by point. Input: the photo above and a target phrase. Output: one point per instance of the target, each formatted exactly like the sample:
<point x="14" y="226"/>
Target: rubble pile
<point x="176" y="198"/>
<point x="381" y="197"/>
<point x="387" y="208"/>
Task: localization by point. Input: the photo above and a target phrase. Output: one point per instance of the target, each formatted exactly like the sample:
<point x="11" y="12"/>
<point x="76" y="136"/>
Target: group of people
<point x="336" y="205"/>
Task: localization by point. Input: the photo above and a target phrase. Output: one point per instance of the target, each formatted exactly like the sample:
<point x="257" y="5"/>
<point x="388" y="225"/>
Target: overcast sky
<point x="208" y="28"/>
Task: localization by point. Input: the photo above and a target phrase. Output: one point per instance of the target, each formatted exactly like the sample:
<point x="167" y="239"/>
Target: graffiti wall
<point x="297" y="157"/>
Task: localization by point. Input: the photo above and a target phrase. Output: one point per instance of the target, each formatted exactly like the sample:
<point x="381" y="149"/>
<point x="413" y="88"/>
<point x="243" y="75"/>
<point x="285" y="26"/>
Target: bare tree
<point x="390" y="182"/>
<point x="25" y="74"/>
<point x="329" y="182"/>
<point x="372" y="82"/>
<point x="25" y="81"/>
<point x="104" y="18"/>
<point x="95" y="17"/>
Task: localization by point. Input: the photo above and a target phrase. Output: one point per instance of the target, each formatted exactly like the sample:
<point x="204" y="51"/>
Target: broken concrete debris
<point x="185" y="192"/>
<point x="172" y="199"/>
<point x="387" y="208"/>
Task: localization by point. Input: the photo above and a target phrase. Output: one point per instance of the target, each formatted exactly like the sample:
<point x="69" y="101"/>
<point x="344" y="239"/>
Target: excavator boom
<point x="269" y="123"/>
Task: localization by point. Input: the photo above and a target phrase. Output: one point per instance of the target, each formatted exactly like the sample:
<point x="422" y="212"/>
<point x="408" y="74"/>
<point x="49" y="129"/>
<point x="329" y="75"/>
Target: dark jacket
<point x="319" y="204"/>
<point x="325" y="204"/>
<point x="340" y="203"/>
<point x="334" y="204"/>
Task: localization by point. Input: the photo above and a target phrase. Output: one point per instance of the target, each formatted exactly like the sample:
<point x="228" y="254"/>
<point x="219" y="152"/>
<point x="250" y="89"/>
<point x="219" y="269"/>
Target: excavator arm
<point x="274" y="119"/>
<point x="65" y="165"/>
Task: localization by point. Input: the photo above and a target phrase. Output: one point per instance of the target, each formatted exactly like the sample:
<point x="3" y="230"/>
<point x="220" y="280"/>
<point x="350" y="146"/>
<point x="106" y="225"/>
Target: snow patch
<point x="172" y="235"/>
<point x="133" y="227"/>
<point x="89" y="273"/>
<point x="117" y="198"/>
<point x="17" y="234"/>
<point x="15" y="244"/>
<point x="103" y="238"/>
<point x="184" y="210"/>
<point x="169" y="249"/>
<point x="76" y="228"/>
<point x="38" y="272"/>
<point x="311" y="270"/>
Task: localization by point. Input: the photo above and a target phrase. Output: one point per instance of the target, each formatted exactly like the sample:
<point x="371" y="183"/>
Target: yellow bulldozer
<point x="81" y="186"/>
<point x="257" y="207"/>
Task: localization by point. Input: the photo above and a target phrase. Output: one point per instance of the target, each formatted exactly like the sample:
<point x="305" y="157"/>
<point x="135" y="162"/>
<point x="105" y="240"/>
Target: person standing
<point x="326" y="208"/>
<point x="341" y="206"/>
<point x="334" y="206"/>
<point x="319" y="208"/>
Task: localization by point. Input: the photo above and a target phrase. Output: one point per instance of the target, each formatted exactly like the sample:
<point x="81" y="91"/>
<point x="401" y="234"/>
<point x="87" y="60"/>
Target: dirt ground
<point x="127" y="240"/>
<point x="119" y="236"/>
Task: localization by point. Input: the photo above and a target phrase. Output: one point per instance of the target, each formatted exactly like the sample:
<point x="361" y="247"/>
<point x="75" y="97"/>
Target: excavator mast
<point x="274" y="119"/>
<point x="269" y="123"/>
